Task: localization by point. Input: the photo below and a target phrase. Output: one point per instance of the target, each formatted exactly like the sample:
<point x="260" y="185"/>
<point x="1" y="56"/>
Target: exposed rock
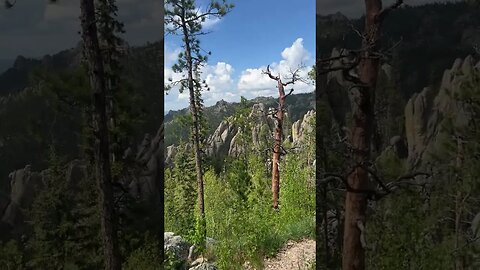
<point x="24" y="184"/>
<point x="236" y="148"/>
<point x="204" y="266"/>
<point x="176" y="246"/>
<point x="303" y="127"/>
<point x="221" y="106"/>
<point x="263" y="123"/>
<point x="218" y="143"/>
<point x="425" y="113"/>
<point x="150" y="155"/>
<point x="417" y="112"/>
<point x="170" y="152"/>
<point x="225" y="140"/>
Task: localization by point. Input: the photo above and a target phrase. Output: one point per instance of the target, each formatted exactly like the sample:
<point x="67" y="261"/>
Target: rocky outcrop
<point x="426" y="112"/>
<point x="218" y="143"/>
<point x="303" y="127"/>
<point x="236" y="148"/>
<point x="226" y="139"/>
<point x="25" y="184"/>
<point x="176" y="248"/>
<point x="150" y="157"/>
<point x="170" y="152"/>
<point x="264" y="123"/>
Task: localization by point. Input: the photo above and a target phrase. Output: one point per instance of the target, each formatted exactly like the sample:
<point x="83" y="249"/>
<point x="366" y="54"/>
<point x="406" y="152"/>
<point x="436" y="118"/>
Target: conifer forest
<point x="228" y="134"/>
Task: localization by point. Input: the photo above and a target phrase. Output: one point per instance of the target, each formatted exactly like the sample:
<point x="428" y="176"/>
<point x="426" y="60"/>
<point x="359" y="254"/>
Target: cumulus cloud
<point x="251" y="81"/>
<point x="170" y="54"/>
<point x="219" y="77"/>
<point x="296" y="54"/>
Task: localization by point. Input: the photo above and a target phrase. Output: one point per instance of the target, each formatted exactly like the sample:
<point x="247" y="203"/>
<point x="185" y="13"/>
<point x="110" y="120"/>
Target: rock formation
<point x="303" y="127"/>
<point x="26" y="184"/>
<point x="427" y="111"/>
<point x="225" y="140"/>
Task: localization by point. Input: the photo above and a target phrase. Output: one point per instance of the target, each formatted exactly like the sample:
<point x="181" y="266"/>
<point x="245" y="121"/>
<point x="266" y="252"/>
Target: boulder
<point x="176" y="246"/>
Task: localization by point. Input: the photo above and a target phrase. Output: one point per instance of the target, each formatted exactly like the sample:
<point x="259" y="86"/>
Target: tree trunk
<point x="459" y="259"/>
<point x="277" y="149"/>
<point x="195" y="130"/>
<point x="356" y="203"/>
<point x="324" y="191"/>
<point x="100" y="123"/>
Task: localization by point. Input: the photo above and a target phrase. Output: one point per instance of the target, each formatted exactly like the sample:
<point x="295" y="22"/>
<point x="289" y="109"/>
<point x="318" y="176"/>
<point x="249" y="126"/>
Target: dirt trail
<point x="299" y="255"/>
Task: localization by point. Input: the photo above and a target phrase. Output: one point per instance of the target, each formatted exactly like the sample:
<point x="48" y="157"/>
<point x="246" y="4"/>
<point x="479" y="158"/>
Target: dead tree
<point x="366" y="61"/>
<point x="278" y="115"/>
<point x="103" y="172"/>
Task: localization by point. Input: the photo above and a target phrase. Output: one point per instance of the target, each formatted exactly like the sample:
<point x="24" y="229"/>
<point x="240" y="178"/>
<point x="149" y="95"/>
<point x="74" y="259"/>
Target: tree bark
<point x="102" y="145"/>
<point x="277" y="149"/>
<point x="459" y="258"/>
<point x="356" y="203"/>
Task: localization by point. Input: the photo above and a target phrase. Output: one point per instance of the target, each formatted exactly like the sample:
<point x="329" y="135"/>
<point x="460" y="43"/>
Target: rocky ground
<point x="299" y="255"/>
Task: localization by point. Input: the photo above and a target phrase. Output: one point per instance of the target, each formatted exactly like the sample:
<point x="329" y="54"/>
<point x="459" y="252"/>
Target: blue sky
<point x="280" y="33"/>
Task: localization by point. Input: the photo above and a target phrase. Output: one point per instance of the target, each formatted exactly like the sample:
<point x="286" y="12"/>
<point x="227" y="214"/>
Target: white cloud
<point x="251" y="82"/>
<point x="296" y="54"/>
<point x="219" y="77"/>
<point x="210" y="22"/>
<point x="171" y="54"/>
<point x="253" y="79"/>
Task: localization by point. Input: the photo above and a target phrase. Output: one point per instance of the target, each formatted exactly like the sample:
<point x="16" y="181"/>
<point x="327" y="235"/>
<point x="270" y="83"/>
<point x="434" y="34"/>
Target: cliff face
<point x="26" y="184"/>
<point x="426" y="112"/>
<point x="413" y="129"/>
<point x="225" y="140"/>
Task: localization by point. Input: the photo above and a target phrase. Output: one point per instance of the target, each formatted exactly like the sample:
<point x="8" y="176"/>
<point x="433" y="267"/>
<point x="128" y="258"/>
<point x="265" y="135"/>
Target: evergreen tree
<point x="183" y="18"/>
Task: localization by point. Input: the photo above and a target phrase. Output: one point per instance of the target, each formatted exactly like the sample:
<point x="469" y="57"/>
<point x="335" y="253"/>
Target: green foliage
<point x="64" y="223"/>
<point x="180" y="195"/>
<point x="11" y="255"/>
<point x="146" y="256"/>
<point x="239" y="213"/>
<point x="416" y="228"/>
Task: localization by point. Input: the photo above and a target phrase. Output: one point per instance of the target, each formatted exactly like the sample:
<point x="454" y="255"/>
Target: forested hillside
<point x="239" y="177"/>
<point x="52" y="195"/>
<point x="241" y="225"/>
<point x="176" y="130"/>
<point x="419" y="153"/>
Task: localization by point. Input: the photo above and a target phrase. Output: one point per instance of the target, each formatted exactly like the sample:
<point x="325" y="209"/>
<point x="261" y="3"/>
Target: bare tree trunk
<point x="100" y="121"/>
<point x="356" y="203"/>
<point x="277" y="148"/>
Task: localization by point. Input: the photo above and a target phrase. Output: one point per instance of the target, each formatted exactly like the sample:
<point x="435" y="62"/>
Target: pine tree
<point x="98" y="83"/>
<point x="184" y="19"/>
